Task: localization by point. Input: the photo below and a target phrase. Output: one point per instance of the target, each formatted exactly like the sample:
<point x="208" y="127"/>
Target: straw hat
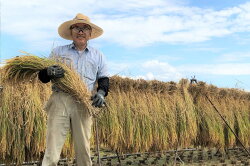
<point x="65" y="32"/>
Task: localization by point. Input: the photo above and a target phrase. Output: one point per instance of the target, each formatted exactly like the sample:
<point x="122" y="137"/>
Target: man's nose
<point x="80" y="31"/>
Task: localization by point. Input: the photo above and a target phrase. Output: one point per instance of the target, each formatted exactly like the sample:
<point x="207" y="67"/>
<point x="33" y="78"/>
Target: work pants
<point x="65" y="113"/>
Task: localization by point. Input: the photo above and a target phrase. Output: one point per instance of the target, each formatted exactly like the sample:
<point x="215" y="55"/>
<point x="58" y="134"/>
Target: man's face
<point x="81" y="33"/>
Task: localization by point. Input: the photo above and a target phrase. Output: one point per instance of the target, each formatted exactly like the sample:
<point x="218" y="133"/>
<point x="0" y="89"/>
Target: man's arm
<point x="51" y="72"/>
<point x="103" y="84"/>
<point x="102" y="91"/>
<point x="102" y="75"/>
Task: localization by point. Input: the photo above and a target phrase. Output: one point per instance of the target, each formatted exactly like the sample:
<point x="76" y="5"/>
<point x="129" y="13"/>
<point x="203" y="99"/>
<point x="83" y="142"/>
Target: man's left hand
<point x="98" y="99"/>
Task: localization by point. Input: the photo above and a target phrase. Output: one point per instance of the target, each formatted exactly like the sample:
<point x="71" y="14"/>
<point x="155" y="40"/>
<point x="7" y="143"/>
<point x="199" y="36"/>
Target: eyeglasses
<point x="77" y="29"/>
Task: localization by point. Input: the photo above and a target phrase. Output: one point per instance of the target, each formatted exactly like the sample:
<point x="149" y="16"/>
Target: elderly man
<point x="63" y="111"/>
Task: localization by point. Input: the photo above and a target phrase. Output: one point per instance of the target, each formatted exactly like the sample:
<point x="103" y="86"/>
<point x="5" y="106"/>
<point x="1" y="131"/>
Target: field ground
<point x="196" y="157"/>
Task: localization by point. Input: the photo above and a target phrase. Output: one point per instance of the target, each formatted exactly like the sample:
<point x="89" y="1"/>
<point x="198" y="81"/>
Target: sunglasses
<point x="77" y="29"/>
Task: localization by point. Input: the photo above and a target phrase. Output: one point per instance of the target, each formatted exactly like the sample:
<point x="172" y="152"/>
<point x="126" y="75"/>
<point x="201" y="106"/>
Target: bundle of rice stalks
<point x="137" y="121"/>
<point x="26" y="68"/>
<point x="185" y="115"/>
<point x="22" y="122"/>
<point x="213" y="132"/>
<point x="143" y="116"/>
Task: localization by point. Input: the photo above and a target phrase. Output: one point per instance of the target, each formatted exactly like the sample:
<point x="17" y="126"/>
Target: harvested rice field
<point x="140" y="116"/>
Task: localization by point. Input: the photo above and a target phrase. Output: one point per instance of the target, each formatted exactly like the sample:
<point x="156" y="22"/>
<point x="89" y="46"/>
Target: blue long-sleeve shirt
<point x="90" y="63"/>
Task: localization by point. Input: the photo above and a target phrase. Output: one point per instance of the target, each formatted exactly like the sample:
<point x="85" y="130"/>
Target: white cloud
<point x="177" y="24"/>
<point x="163" y="71"/>
<point x="205" y="48"/>
<point x="147" y="76"/>
<point x="235" y="56"/>
<point x="149" y="70"/>
<point x="167" y="57"/>
<point x="130" y="23"/>
<point x="150" y="76"/>
<point x="118" y="68"/>
<point x="216" y="69"/>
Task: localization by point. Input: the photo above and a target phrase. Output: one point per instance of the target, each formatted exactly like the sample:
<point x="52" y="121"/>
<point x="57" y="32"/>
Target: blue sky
<point x="151" y="39"/>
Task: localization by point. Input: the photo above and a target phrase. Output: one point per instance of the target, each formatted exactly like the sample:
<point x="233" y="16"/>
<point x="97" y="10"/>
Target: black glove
<point x="55" y="71"/>
<point x="98" y="98"/>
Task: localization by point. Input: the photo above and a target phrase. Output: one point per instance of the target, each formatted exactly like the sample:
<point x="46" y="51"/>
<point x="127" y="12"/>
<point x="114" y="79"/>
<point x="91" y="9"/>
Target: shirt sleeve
<point x="102" y="68"/>
<point x="102" y="75"/>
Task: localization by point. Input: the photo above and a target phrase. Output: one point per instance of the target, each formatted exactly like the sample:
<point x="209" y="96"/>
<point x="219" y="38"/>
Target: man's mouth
<point x="80" y="37"/>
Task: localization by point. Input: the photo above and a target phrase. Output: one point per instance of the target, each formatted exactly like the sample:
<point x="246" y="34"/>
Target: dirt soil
<point x="195" y="157"/>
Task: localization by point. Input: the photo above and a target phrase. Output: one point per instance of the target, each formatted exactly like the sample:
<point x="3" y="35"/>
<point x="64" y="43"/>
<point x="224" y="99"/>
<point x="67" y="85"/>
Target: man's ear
<point x="90" y="32"/>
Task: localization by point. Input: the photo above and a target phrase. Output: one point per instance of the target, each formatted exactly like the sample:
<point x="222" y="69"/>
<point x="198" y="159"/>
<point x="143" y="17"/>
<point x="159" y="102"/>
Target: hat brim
<point x="65" y="32"/>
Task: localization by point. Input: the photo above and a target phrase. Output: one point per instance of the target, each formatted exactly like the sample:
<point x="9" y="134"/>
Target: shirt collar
<point x="72" y="45"/>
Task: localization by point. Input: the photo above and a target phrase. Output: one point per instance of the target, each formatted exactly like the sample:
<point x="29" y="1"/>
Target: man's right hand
<point x="55" y="71"/>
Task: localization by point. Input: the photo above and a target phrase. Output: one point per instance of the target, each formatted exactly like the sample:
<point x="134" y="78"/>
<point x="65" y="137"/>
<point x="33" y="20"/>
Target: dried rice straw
<point x="26" y="68"/>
